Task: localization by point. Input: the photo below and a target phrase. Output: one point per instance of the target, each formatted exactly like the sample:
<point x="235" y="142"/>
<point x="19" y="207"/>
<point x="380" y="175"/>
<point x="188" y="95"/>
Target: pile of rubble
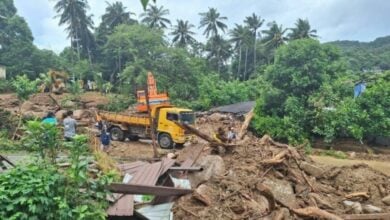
<point x="264" y="179"/>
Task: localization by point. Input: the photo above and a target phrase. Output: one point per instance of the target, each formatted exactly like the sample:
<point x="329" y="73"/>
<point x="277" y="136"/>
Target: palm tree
<point x="182" y="34"/>
<point x="239" y="36"/>
<point x="212" y="21"/>
<point x="302" y="30"/>
<point x="116" y="14"/>
<point x="154" y="17"/>
<point x="73" y="13"/>
<point x="254" y="22"/>
<point x="275" y="35"/>
<point x="218" y="50"/>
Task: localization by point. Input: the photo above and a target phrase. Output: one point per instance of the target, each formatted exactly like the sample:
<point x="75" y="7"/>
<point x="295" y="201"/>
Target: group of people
<point x="220" y="136"/>
<point x="69" y="123"/>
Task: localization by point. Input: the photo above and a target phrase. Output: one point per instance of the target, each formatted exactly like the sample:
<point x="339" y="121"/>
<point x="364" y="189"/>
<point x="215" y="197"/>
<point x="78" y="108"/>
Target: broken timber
<point x="367" y="216"/>
<point x="202" y="135"/>
<point x="185" y="169"/>
<point x="245" y="126"/>
<point x="2" y="158"/>
<point x="147" y="190"/>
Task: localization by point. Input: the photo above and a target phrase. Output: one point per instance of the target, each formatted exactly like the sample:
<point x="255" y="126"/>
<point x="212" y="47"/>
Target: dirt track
<point x="381" y="166"/>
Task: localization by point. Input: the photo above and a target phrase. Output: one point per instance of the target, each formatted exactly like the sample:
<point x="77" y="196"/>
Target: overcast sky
<point x="362" y="20"/>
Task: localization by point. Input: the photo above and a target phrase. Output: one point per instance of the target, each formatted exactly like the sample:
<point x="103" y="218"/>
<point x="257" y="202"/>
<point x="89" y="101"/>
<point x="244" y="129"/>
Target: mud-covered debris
<point x="371" y="209"/>
<point x="311" y="169"/>
<point x="386" y="200"/>
<point x="213" y="166"/>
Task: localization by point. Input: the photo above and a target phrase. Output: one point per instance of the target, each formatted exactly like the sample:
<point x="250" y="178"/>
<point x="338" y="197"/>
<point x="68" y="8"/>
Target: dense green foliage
<point x="42" y="191"/>
<point x="308" y="92"/>
<point x="303" y="88"/>
<point x="369" y="56"/>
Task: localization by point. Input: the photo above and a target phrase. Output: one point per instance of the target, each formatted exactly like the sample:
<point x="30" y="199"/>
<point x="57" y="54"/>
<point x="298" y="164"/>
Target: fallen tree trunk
<point x="245" y="126"/>
<point x="211" y="140"/>
<point x="314" y="212"/>
<point x="2" y="158"/>
<point x="357" y="194"/>
<point x="367" y="216"/>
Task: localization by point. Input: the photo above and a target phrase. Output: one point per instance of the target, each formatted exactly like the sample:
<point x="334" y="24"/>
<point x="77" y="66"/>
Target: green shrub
<point x="5" y="86"/>
<point x="41" y="192"/>
<point x="336" y="154"/>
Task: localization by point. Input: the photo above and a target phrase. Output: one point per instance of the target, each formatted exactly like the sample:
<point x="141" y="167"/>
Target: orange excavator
<point x="155" y="98"/>
<point x="163" y="115"/>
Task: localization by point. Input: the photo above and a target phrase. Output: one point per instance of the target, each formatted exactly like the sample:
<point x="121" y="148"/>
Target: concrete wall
<point x="2" y="72"/>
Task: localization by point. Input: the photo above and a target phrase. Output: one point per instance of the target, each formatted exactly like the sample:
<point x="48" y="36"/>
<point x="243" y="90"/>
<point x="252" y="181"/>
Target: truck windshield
<point x="187" y="117"/>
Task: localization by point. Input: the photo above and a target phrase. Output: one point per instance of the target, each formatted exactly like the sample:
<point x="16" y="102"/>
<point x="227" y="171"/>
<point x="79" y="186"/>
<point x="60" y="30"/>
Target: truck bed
<point x="120" y="118"/>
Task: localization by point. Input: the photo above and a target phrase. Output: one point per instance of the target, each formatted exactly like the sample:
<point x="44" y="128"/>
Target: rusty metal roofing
<point x="143" y="174"/>
<point x="131" y="168"/>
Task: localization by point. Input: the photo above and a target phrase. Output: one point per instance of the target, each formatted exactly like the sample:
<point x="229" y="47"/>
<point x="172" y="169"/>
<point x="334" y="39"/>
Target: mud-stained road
<point x="381" y="166"/>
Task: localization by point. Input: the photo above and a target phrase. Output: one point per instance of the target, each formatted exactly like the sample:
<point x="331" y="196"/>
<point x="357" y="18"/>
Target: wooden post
<point x="151" y="122"/>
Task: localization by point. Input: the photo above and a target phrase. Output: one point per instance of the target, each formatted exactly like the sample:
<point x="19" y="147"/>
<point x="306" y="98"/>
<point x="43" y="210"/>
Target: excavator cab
<point x="56" y="84"/>
<point x="155" y="98"/>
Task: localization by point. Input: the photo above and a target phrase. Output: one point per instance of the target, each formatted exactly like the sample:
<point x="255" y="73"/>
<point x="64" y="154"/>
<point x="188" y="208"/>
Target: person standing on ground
<point x="104" y="137"/>
<point x="231" y="135"/>
<point x="69" y="126"/>
<point x="50" y="119"/>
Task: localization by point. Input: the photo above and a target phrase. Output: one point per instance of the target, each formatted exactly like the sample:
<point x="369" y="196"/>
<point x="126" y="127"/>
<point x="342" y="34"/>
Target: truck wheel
<point x="165" y="141"/>
<point x="117" y="134"/>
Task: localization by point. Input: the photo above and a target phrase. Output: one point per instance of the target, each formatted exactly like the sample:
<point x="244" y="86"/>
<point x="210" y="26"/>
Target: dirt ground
<point x="381" y="166"/>
<point x="258" y="168"/>
<point x="257" y="179"/>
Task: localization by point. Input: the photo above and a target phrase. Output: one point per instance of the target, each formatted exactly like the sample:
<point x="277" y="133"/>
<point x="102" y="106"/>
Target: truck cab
<point x="168" y="132"/>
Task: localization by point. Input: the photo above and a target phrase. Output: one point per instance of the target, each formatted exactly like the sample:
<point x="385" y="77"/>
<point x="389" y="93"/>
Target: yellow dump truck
<point x="137" y="125"/>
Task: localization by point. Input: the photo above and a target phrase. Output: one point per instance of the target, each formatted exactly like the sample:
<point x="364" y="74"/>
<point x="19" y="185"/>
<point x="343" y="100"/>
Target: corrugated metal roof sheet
<point x="144" y="174"/>
<point x="157" y="212"/>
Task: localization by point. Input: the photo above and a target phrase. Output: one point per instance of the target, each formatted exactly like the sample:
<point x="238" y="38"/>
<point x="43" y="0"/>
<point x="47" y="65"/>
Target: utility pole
<point x="151" y="122"/>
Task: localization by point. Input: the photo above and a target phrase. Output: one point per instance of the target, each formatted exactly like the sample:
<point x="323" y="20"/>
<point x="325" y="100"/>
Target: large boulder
<point x="32" y="114"/>
<point x="282" y="191"/>
<point x="311" y="169"/>
<point x="371" y="209"/>
<point x="69" y="104"/>
<point x="386" y="200"/>
<point x="80" y="114"/>
<point x="212" y="165"/>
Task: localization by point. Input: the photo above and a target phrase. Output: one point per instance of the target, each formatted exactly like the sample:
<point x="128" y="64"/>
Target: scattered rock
<point x="80" y="114"/>
<point x="213" y="166"/>
<point x="321" y="202"/>
<point x="386" y="200"/>
<point x="69" y="104"/>
<point x="371" y="209"/>
<point x="355" y="207"/>
<point x="217" y="117"/>
<point x="202" y="193"/>
<point x="281" y="214"/>
<point x="352" y="155"/>
<point x="282" y="191"/>
<point x="171" y="155"/>
<point x="32" y="114"/>
<point x="311" y="169"/>
<point x="348" y="203"/>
